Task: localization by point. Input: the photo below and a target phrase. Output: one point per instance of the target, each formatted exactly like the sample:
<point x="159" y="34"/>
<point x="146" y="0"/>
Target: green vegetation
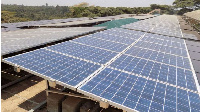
<point x="9" y="17"/>
<point x="20" y="13"/>
<point x="165" y="9"/>
<point x="24" y="13"/>
<point x="186" y="5"/>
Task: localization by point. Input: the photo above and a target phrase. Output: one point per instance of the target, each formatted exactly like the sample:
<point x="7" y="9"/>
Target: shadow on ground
<point x="38" y="98"/>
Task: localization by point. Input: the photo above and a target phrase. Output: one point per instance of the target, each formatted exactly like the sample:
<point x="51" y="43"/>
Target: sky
<point x="103" y="3"/>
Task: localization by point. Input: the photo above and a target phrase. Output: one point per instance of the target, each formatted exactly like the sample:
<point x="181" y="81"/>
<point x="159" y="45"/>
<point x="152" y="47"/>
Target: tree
<point x="183" y="3"/>
<point x="154" y="6"/>
<point x="165" y="9"/>
<point x="83" y="4"/>
<point x="193" y="4"/>
<point x="186" y="5"/>
<point x="33" y="13"/>
<point x="9" y="17"/>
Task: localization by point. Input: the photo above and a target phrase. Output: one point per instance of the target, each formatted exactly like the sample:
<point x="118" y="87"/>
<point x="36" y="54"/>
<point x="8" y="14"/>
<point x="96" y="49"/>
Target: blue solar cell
<point x="186" y="63"/>
<point x="156" y="107"/>
<point x="124" y="89"/>
<point x="163" y="73"/>
<point x="172" y="75"/>
<point x="182" y="101"/>
<point x="143" y="105"/>
<point x="181" y="78"/>
<point x="190" y="80"/>
<point x="194" y="101"/>
<point x="155" y="71"/>
<point x="170" y="98"/>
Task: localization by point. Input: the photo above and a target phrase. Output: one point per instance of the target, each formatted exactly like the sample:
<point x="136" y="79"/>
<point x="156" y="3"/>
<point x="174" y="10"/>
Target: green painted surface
<point x="117" y="23"/>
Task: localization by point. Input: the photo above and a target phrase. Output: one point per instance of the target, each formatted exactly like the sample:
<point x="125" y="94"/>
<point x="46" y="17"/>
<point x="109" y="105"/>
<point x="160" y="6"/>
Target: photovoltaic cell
<point x="194" y="101"/>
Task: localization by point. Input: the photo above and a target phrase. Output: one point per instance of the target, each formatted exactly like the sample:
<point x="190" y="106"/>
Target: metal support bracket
<point x="104" y="103"/>
<point x="48" y="87"/>
<point x="52" y="83"/>
<point x="68" y="94"/>
<point x="17" y="69"/>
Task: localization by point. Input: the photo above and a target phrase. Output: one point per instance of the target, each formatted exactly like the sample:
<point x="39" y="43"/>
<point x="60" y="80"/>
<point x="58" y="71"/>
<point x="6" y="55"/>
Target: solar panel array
<point x="5" y="27"/>
<point x="73" y="23"/>
<point x="132" y="70"/>
<point x="165" y="25"/>
<point x="16" y="26"/>
<point x="24" y="39"/>
<point x="148" y="80"/>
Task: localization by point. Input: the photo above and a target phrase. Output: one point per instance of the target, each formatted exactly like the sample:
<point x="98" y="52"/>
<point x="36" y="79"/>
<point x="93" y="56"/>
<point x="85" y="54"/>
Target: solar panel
<point x="143" y="83"/>
<point x="49" y="62"/>
<point x="24" y="39"/>
<point x="143" y="80"/>
<point x="109" y="43"/>
<point x="165" y="25"/>
<point x="152" y="69"/>
<point x="118" y="47"/>
<point x="116" y="35"/>
<point x="51" y="65"/>
<point x="132" y="92"/>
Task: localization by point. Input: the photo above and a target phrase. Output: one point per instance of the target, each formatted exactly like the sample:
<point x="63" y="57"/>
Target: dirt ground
<point x="187" y="28"/>
<point x="23" y="96"/>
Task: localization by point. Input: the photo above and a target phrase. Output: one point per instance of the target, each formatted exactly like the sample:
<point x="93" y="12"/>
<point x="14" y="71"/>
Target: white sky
<point x="104" y="3"/>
